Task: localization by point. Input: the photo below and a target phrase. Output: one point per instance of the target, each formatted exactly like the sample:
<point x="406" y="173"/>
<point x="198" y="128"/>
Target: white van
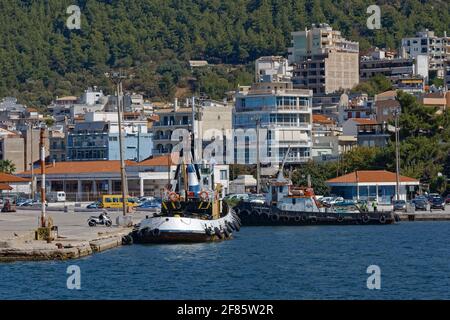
<point x="56" y="196"/>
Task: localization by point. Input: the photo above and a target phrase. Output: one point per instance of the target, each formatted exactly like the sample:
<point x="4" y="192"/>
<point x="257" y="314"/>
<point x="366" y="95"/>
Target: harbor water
<point x="322" y="262"/>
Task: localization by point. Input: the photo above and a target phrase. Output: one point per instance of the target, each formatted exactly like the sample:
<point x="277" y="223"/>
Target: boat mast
<point x="280" y="171"/>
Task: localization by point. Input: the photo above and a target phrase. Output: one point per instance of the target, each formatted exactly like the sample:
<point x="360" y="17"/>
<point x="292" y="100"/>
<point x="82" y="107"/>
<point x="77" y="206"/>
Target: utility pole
<point x="117" y="78"/>
<point x="397" y="155"/>
<point x="31" y="163"/>
<point x="42" y="149"/>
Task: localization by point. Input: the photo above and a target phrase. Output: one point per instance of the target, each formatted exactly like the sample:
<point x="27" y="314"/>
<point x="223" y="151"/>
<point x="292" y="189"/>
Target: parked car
<point x="431" y="196"/>
<point x="151" y="204"/>
<point x="437" y="203"/>
<point x="447" y="199"/>
<point x="27" y="202"/>
<point x="95" y="205"/>
<point x="143" y="199"/>
<point x="22" y="202"/>
<point x="399" y="205"/>
<point x="420" y="204"/>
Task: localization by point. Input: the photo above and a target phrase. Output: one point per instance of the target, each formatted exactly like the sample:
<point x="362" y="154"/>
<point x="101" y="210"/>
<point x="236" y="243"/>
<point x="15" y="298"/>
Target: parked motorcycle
<point x="103" y="219"/>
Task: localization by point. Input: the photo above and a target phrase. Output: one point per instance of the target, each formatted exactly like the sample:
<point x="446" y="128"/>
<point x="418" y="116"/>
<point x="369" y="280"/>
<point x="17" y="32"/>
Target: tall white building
<point x="284" y="114"/>
<point x="427" y="43"/>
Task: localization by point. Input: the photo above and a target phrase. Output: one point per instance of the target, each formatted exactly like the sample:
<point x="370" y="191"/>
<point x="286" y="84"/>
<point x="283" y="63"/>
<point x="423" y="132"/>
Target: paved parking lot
<point x="70" y="225"/>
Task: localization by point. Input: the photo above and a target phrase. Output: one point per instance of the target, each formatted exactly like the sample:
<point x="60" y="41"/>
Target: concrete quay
<point x="75" y="238"/>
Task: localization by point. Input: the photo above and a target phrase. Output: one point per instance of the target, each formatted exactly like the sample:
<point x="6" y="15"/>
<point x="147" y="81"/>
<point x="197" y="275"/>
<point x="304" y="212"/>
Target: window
<point x="223" y="175"/>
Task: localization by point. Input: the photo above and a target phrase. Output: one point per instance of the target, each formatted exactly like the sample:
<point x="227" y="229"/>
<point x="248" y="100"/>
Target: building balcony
<point x="292" y="144"/>
<point x="162" y="138"/>
<point x="171" y="125"/>
<point x="289" y="108"/>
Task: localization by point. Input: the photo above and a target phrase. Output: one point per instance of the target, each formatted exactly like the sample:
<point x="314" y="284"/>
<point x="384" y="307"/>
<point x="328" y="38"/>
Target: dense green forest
<point x="153" y="39"/>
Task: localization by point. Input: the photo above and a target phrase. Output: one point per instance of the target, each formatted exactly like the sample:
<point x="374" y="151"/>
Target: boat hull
<point x="251" y="215"/>
<point x="166" y="229"/>
<point x="175" y="237"/>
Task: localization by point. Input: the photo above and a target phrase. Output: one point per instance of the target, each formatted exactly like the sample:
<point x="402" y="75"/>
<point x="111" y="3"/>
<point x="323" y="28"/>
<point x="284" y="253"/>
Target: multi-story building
<point x="369" y="133"/>
<point x="57" y="143"/>
<point x="97" y="138"/>
<point x="205" y="117"/>
<point x="12" y="148"/>
<point x="447" y="75"/>
<point x="285" y="113"/>
<point x="413" y="84"/>
<point x="324" y="61"/>
<point x="392" y="68"/>
<point x="272" y="68"/>
<point x="427" y="43"/>
<point x="70" y="107"/>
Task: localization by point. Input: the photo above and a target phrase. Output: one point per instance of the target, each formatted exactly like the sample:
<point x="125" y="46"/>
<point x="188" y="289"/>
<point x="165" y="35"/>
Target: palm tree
<point x="7" y="166"/>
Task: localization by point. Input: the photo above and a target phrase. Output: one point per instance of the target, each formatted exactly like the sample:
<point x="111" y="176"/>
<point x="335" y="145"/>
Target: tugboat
<point x="288" y="206"/>
<point x="195" y="214"/>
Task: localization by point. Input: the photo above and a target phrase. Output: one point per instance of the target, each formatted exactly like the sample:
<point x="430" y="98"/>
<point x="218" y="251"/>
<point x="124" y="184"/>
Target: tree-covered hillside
<point x="40" y="57"/>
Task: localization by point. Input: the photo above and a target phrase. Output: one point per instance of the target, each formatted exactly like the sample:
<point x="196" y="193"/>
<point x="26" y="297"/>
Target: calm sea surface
<point x="260" y="263"/>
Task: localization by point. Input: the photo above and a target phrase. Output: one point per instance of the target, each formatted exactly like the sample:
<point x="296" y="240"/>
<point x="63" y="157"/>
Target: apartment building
<point x="199" y="116"/>
<point x="272" y="68"/>
<point x="323" y="60"/>
<point x="394" y="68"/>
<point x="12" y="148"/>
<point x="286" y="114"/>
<point x="427" y="43"/>
<point x="97" y="138"/>
<point x="447" y="75"/>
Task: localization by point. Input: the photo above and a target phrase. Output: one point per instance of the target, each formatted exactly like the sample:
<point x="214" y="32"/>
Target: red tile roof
<point x="158" y="161"/>
<point x="370" y="176"/>
<point x="363" y="121"/>
<point x="5" y="187"/>
<point x="10" y="178"/>
<point x="102" y="166"/>
<point x="319" y="118"/>
<point x="70" y="167"/>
